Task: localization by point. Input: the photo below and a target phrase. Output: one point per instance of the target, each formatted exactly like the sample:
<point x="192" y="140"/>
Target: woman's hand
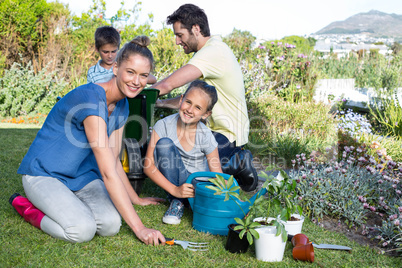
<point x="150" y="236"/>
<point x="186" y="190"/>
<point x="145" y="201"/>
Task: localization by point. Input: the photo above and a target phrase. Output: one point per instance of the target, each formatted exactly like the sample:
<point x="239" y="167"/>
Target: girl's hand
<point x="145" y="201"/>
<point x="186" y="190"/>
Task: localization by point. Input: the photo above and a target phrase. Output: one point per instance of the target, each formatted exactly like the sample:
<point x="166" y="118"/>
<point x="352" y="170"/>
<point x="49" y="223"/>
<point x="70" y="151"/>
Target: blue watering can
<point x="211" y="214"/>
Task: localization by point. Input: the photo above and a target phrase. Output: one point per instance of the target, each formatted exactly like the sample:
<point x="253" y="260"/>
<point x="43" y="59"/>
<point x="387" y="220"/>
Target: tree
<point x="25" y="28"/>
<point x="240" y="42"/>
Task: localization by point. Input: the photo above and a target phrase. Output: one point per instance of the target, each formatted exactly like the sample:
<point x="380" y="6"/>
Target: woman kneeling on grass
<point x="180" y="145"/>
<point x="72" y="172"/>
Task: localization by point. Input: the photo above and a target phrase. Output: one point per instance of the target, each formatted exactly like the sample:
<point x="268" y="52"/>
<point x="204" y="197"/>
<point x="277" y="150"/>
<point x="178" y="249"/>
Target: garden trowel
<point x="324" y="246"/>
<point x="329" y="246"/>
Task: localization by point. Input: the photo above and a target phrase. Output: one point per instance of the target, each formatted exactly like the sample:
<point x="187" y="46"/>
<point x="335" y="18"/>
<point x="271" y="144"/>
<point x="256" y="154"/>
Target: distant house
<point x="342" y="49"/>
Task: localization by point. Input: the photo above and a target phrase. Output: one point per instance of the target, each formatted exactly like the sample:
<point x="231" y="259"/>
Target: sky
<point x="265" y="19"/>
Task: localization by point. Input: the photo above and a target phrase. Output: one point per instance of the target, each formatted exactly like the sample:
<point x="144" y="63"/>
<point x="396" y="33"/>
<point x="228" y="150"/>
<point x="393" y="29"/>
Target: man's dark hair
<point x="106" y="35"/>
<point x="189" y="15"/>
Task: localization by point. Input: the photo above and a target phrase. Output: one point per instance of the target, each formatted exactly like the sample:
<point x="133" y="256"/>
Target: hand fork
<point x="188" y="245"/>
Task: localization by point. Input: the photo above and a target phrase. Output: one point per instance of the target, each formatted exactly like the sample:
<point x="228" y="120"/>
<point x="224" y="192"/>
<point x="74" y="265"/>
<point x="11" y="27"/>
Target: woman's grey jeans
<point x="73" y="216"/>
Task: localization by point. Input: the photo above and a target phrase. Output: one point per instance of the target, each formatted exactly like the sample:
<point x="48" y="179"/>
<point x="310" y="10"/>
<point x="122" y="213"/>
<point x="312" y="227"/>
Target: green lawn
<point x="22" y="245"/>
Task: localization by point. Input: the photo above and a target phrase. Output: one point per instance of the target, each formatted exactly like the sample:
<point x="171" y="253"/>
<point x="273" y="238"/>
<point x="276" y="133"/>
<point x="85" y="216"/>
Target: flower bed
<point x="352" y="187"/>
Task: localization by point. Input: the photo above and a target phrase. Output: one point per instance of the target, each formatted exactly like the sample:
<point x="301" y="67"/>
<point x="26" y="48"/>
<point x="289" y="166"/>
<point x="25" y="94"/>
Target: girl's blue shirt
<point x="61" y="149"/>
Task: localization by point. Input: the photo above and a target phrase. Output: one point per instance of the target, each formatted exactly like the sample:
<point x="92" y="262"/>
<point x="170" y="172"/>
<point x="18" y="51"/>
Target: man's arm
<point x="182" y="76"/>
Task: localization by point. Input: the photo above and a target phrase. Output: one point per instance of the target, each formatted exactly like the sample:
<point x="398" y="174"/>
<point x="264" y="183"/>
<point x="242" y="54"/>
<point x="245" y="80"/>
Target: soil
<point x="264" y="223"/>
<point x="294" y="219"/>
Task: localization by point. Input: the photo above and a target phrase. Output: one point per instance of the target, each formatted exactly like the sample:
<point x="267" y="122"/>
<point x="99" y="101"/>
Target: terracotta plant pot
<point x="233" y="243"/>
<point x="304" y="252"/>
<point x="299" y="240"/>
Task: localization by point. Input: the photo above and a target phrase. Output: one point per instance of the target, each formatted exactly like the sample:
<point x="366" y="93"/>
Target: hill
<point x="374" y="22"/>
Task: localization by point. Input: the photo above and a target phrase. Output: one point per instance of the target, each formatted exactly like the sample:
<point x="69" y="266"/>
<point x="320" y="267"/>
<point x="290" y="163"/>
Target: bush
<point x="241" y="43"/>
<point x="23" y="92"/>
<point x="25" y="27"/>
<point x="286" y="72"/>
<point x="283" y="128"/>
<point x="387" y="113"/>
<point x="351" y="189"/>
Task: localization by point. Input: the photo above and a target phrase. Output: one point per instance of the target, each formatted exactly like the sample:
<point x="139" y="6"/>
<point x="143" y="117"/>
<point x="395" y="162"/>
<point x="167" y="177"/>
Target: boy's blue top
<point x="98" y="74"/>
<point x="61" y="148"/>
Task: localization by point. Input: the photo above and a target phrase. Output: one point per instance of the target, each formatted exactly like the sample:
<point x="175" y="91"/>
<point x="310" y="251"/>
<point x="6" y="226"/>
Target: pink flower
<point x="396" y="222"/>
<point x="311" y="184"/>
<point x="372" y="208"/>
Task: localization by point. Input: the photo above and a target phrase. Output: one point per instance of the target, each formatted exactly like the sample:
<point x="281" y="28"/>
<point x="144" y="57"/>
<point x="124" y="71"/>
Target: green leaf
<point x="229" y="182"/>
<point x="254" y="233"/>
<point x="236" y="195"/>
<point x="250" y="238"/>
<point x="234" y="188"/>
<point x="239" y="221"/>
<point x="254" y="225"/>
<point x="241" y="234"/>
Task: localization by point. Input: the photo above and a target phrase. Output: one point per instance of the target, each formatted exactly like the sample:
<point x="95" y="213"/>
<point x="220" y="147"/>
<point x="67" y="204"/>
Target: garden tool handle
<point x="169" y="241"/>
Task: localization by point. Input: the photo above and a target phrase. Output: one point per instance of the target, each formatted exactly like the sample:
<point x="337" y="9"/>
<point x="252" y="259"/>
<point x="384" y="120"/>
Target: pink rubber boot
<point x="26" y="209"/>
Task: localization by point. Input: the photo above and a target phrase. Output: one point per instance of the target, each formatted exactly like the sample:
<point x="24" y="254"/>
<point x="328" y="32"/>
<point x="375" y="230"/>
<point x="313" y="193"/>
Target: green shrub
<point x="279" y="128"/>
<point x="351" y="189"/>
<point x="23" y="92"/>
<point x="25" y="27"/>
<point x="241" y="43"/>
<point x="388" y="114"/>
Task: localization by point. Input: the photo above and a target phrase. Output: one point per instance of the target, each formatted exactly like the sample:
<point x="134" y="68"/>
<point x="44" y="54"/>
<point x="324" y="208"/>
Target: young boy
<point x="107" y="43"/>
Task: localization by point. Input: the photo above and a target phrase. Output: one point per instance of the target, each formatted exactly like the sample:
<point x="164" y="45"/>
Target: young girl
<point x="181" y="144"/>
<point x="72" y="173"/>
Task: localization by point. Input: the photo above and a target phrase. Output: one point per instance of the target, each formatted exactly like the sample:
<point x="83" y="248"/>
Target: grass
<point x="22" y="245"/>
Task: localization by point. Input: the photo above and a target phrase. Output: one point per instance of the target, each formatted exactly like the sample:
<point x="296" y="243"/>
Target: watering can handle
<point x="207" y="174"/>
<point x="211" y="175"/>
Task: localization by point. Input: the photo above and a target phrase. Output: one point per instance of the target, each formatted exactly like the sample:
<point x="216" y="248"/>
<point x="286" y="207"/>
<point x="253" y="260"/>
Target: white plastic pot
<point x="269" y="247"/>
<point x="294" y="227"/>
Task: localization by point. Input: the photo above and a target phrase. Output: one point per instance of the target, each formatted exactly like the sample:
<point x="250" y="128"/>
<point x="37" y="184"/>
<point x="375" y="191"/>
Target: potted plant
<point x="241" y="234"/>
<point x="274" y="212"/>
<point x="281" y="192"/>
<point x="278" y="202"/>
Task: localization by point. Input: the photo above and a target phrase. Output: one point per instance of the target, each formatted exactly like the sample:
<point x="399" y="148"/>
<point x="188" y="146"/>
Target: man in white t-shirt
<point x="215" y="63"/>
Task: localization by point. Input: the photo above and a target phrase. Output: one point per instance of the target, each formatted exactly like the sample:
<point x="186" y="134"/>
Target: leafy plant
<point x="17" y="97"/>
<point x="388" y="113"/>
<point x="246" y="226"/>
<point x="352" y="188"/>
<point x="278" y="203"/>
<point x="281" y="192"/>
